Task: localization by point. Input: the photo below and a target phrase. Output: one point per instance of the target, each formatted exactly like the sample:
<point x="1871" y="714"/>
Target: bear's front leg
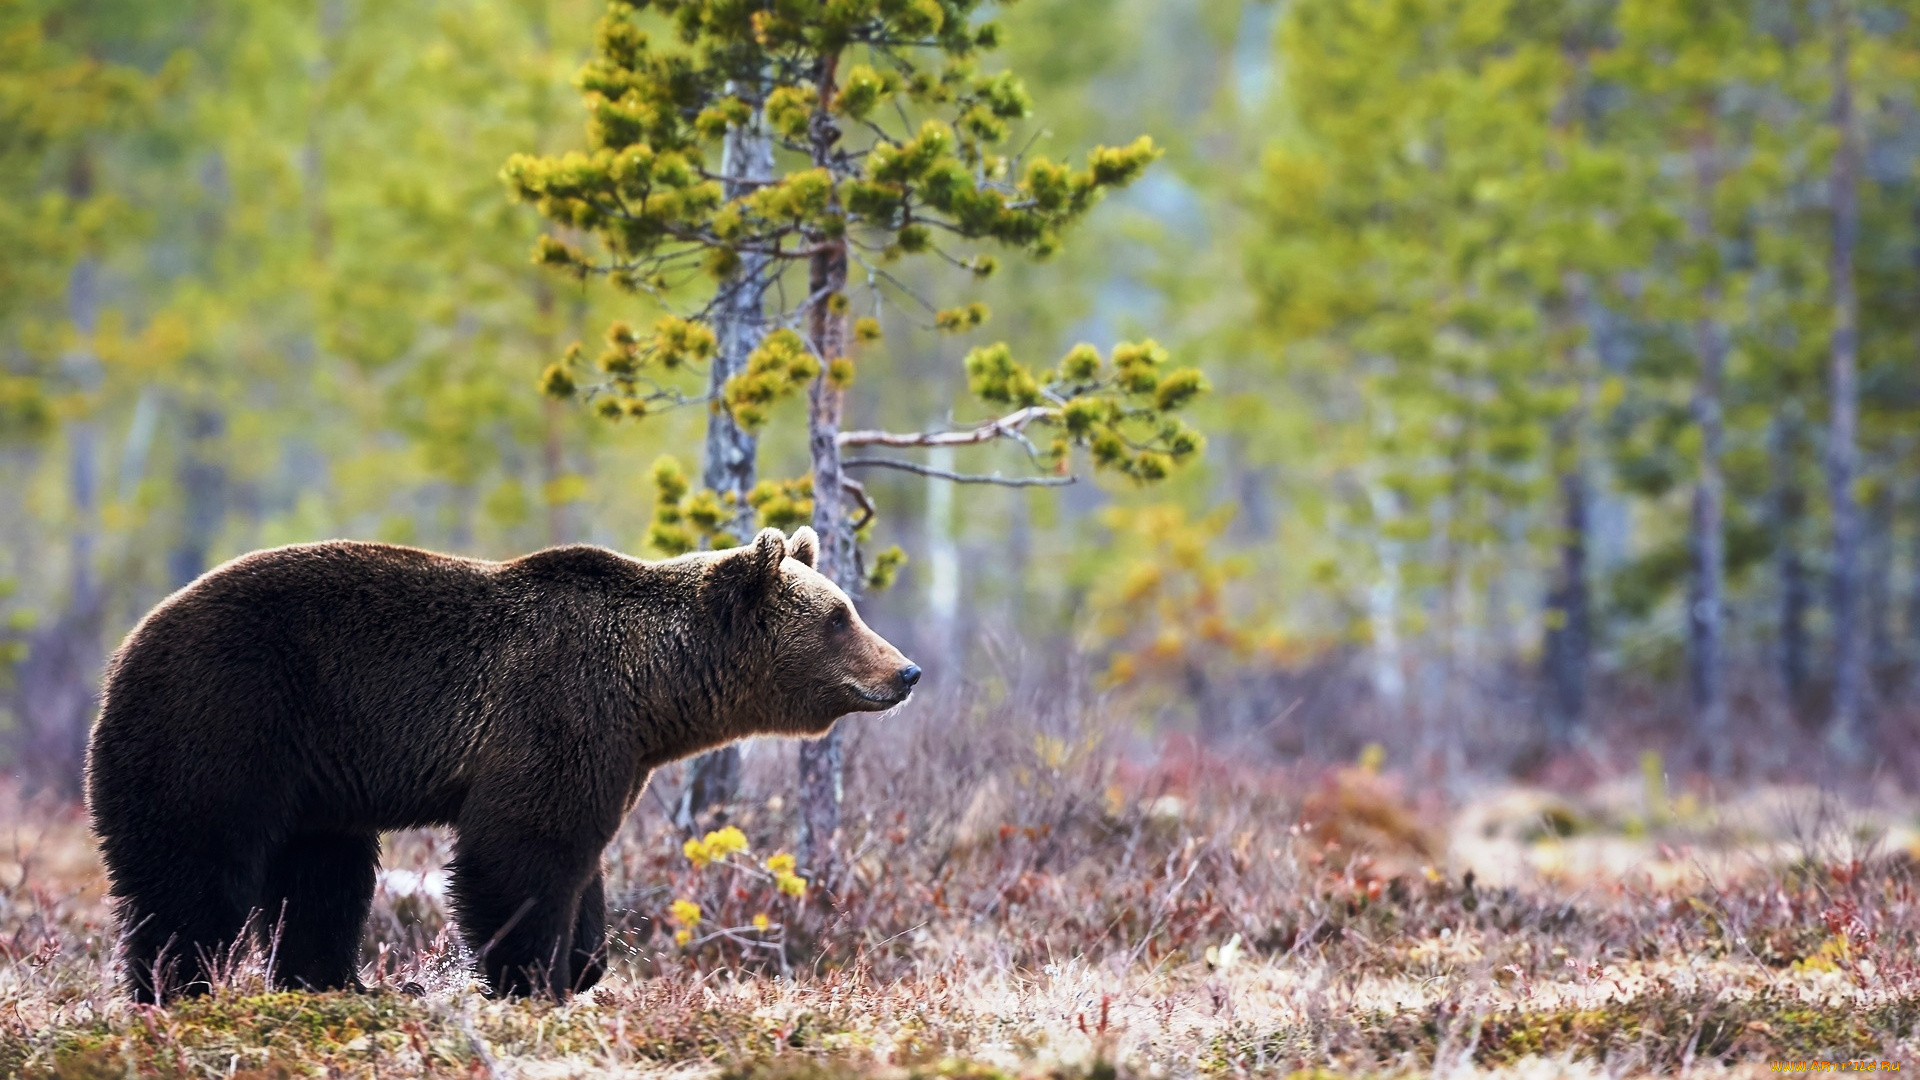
<point x="517" y="897"/>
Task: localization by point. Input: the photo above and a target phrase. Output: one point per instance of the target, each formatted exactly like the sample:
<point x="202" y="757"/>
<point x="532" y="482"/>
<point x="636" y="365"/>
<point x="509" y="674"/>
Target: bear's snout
<point x="891" y="680"/>
<point x="893" y="690"/>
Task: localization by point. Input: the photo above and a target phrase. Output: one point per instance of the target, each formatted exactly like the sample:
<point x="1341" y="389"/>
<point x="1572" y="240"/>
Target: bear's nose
<point x="910" y="675"/>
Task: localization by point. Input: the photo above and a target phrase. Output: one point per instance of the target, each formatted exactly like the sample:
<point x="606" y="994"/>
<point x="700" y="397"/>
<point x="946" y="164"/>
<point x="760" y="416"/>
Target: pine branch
<point x="959" y="478"/>
<point x="894" y="281"/>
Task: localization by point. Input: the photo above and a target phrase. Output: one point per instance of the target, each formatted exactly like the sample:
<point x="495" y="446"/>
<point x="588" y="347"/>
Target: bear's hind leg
<point x="182" y="925"/>
<point x="590" y="936"/>
<point x="318" y="892"/>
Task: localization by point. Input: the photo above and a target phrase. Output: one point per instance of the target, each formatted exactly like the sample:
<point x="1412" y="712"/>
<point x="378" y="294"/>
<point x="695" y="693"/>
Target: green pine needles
<point x="889" y="141"/>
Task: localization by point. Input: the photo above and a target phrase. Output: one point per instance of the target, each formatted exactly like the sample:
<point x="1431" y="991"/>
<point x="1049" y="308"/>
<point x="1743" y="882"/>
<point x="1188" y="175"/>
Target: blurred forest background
<point x="1565" y="360"/>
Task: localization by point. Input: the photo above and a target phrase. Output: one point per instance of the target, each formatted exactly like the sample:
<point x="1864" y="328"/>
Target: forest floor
<point x="1021" y="905"/>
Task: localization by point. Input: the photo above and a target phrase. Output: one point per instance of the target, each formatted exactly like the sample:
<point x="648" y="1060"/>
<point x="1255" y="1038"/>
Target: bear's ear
<point x="749" y="572"/>
<point x="768" y="551"/>
<point x="804" y="546"/>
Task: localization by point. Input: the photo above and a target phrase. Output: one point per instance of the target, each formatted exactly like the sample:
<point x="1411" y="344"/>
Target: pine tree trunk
<point x="822" y="761"/>
<point x="1706" y="590"/>
<point x="1788" y="510"/>
<point x="713" y="779"/>
<point x="1847" y="721"/>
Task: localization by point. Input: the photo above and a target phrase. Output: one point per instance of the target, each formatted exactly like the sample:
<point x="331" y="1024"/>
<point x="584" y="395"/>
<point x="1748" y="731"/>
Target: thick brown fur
<point x="261" y="727"/>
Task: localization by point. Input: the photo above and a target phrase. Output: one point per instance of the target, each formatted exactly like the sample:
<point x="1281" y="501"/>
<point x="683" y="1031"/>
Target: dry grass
<point x="1052" y="896"/>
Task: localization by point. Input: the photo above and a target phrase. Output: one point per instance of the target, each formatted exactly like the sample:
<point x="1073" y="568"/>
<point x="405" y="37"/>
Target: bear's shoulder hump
<point x="578" y="563"/>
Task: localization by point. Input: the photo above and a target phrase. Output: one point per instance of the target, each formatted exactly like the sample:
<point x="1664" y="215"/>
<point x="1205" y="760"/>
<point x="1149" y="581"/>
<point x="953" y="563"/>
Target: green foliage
<point x="777" y="369"/>
<point x="782" y="504"/>
<point x="658" y="111"/>
<point x="901" y="144"/>
<point x="55" y="100"/>
<point x="1465" y="198"/>
<point x="57" y="103"/>
<point x="886" y="567"/>
<point x="1174" y="609"/>
<point x="1120" y="411"/>
<point x="686" y="520"/>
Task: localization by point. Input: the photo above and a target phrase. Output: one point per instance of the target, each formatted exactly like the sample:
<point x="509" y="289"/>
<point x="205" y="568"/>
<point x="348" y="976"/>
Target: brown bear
<point x="264" y="725"/>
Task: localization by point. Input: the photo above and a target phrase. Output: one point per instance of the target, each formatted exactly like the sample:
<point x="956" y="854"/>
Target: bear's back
<point x="289" y="666"/>
<point x="332" y="601"/>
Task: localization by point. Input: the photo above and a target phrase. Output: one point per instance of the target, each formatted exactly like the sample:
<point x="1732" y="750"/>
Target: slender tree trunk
<point x="1788" y="510"/>
<point x="943" y="567"/>
<point x="1706" y="592"/>
<point x="200" y="472"/>
<point x="1383" y="606"/>
<point x="203" y="494"/>
<point x="313" y="161"/>
<point x="1913" y="589"/>
<point x="1879" y="591"/>
<point x="553" y="466"/>
<point x="1569" y="637"/>
<point x="1444" y="714"/>
<point x="1847" y="722"/>
<point x="553" y="431"/>
<point x="1568" y="645"/>
<point x="1911" y="648"/>
<point x="713" y="779"/>
<point x="59" y="679"/>
<point x="822" y="761"/>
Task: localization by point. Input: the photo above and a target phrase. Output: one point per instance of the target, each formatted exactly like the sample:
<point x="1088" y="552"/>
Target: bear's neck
<point x="694" y="692"/>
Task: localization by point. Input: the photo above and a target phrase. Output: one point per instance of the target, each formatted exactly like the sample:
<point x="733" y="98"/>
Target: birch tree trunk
<point x="1706" y="591"/>
<point x="713" y="779"/>
<point x="1846" y="722"/>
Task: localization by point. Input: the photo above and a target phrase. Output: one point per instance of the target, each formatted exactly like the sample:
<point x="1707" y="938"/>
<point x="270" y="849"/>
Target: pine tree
<point x="889" y="142"/>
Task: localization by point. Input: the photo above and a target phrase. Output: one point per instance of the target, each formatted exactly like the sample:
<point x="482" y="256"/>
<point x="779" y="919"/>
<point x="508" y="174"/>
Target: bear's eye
<point x="837" y="620"/>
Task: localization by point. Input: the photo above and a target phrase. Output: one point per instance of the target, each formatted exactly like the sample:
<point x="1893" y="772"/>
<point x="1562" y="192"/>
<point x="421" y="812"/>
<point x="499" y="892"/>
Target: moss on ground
<point x="1657" y="1031"/>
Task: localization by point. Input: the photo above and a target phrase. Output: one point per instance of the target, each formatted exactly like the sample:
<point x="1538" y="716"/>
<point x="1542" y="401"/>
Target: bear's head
<point x="807" y="655"/>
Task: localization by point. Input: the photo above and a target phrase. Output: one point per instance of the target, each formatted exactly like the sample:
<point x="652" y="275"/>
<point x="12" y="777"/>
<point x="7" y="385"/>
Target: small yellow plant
<point x="716" y="845"/>
<point x="1834" y="954"/>
<point x="687" y="914"/>
<point x="781" y="866"/>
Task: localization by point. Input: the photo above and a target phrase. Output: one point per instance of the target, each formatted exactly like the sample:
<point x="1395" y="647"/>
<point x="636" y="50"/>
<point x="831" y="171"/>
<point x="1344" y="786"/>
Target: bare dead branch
<point x="1004" y="427"/>
<point x="859" y="492"/>
<point x="959" y="478"/>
